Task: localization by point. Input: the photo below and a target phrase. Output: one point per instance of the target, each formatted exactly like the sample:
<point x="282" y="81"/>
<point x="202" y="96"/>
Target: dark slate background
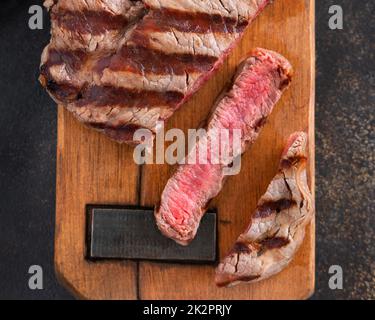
<point x="345" y="154"/>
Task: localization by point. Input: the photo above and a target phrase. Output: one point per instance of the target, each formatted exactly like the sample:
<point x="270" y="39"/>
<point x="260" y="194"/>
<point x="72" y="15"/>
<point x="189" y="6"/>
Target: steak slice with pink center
<point x="257" y="87"/>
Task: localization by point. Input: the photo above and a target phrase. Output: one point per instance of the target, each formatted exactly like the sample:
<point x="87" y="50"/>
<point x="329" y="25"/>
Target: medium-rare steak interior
<point x="257" y="87"/>
<point x="120" y="65"/>
<point x="277" y="227"/>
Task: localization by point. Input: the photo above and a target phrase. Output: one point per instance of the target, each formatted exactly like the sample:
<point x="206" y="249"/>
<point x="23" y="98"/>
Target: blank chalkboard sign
<point x="131" y="233"/>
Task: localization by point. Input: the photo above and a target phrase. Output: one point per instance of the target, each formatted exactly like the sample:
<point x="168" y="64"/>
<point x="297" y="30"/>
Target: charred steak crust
<point x="278" y="224"/>
<point x="257" y="87"/>
<point x="124" y="64"/>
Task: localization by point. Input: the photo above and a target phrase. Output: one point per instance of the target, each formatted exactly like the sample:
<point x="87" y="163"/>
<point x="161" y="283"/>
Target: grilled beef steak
<point x="120" y="65"/>
<point x="278" y="224"/>
<point x="257" y="87"/>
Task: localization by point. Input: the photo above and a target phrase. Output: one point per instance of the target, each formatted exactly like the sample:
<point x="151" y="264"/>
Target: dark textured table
<point x="345" y="154"/>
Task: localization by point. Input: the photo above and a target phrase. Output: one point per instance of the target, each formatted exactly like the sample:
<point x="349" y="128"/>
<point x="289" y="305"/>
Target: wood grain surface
<point x="91" y="169"/>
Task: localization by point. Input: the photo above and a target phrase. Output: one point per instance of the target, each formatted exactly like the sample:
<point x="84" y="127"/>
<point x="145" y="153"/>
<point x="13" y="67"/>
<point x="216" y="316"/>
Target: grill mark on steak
<point x="270" y="207"/>
<point x="101" y="96"/>
<point x="142" y="60"/>
<point x="72" y="59"/>
<point x="163" y="20"/>
<point x="104" y="96"/>
<point x="275" y="242"/>
<point x="287" y="163"/>
<point x="102" y="63"/>
<point x="248" y="278"/>
<point x="227" y="282"/>
<point x="89" y="21"/>
<point x="121" y="132"/>
<point x="63" y="91"/>
<point x="240" y="246"/>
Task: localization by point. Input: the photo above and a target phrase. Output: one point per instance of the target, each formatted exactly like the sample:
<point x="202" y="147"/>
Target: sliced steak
<point x="257" y="87"/>
<point x="120" y="65"/>
<point x="278" y="224"/>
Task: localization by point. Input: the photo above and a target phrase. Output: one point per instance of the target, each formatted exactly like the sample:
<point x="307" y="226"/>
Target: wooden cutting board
<point x="91" y="169"/>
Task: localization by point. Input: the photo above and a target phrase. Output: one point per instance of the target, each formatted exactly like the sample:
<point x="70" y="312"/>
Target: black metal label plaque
<point x="131" y="233"/>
